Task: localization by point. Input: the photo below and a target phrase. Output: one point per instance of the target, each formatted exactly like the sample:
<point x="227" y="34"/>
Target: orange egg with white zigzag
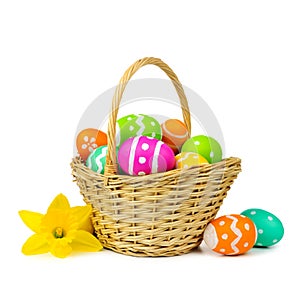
<point x="230" y="234"/>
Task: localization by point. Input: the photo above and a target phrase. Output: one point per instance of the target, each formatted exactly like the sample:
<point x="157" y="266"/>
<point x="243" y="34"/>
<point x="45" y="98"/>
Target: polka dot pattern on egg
<point x="206" y="146"/>
<point x="269" y="228"/>
<point x="144" y="155"/>
<point x="230" y="234"/>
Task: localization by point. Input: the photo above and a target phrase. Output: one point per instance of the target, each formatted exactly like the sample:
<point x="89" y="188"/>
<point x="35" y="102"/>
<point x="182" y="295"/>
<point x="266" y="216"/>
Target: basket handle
<point x="111" y="167"/>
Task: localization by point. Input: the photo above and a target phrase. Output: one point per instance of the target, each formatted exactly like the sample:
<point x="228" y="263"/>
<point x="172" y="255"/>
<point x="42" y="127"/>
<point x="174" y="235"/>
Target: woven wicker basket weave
<point x="162" y="214"/>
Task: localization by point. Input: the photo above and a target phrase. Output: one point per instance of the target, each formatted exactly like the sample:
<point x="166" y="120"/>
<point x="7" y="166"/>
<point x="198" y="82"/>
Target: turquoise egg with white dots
<point x="269" y="228"/>
<point x="204" y="145"/>
<point x="97" y="159"/>
<point x="137" y="125"/>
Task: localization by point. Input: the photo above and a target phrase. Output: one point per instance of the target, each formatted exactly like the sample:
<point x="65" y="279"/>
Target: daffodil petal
<point x="60" y="202"/>
<point x="36" y="244"/>
<point x="60" y="248"/>
<point x="31" y="219"/>
<point x="85" y="241"/>
<point x="87" y="226"/>
<point x="82" y="214"/>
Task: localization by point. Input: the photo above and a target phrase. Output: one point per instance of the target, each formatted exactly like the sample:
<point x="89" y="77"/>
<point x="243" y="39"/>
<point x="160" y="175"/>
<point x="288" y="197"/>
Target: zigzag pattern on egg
<point x="237" y="232"/>
<point x="137" y="125"/>
<point x="97" y="159"/>
<point x="230" y="234"/>
<point x="139" y="122"/>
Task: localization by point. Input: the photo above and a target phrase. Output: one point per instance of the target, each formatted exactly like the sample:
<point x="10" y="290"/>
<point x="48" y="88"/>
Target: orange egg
<point x="188" y="159"/>
<point x="174" y="134"/>
<point x="230" y="234"/>
<point x="88" y="140"/>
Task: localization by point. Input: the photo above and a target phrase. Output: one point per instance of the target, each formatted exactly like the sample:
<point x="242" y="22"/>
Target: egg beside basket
<point x="161" y="214"/>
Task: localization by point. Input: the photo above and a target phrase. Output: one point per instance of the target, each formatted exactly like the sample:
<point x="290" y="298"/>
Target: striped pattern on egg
<point x="144" y="155"/>
<point x="230" y="234"/>
<point x="174" y="134"/>
<point x="136" y="125"/>
<point x="97" y="159"/>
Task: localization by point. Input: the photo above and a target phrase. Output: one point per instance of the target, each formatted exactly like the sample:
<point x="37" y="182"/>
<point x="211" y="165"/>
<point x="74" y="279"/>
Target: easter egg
<point x="230" y="234"/>
<point x="269" y="228"/>
<point x="136" y="125"/>
<point x="174" y="134"/>
<point x="185" y="160"/>
<point x="89" y="139"/>
<point x="97" y="159"/>
<point x="206" y="146"/>
<point x="122" y="121"/>
<point x="143" y="155"/>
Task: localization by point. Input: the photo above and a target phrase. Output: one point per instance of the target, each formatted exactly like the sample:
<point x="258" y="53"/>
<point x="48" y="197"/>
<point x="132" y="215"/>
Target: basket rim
<point x="203" y="168"/>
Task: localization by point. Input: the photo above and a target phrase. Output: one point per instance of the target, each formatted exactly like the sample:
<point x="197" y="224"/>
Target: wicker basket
<point x="162" y="214"/>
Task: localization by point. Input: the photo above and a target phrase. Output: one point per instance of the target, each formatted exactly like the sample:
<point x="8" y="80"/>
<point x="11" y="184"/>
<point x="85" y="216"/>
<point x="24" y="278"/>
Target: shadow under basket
<point x="161" y="214"/>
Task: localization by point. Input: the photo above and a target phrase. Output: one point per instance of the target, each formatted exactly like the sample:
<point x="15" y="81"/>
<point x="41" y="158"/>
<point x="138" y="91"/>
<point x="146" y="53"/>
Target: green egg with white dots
<point x="204" y="145"/>
<point x="269" y="228"/>
<point x="137" y="125"/>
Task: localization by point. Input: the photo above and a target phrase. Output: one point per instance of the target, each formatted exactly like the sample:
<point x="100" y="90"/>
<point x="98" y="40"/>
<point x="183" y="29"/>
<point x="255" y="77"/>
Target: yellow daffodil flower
<point x="61" y="230"/>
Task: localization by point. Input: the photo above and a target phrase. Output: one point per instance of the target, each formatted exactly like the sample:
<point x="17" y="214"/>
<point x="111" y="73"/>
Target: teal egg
<point x="269" y="228"/>
<point x="206" y="146"/>
<point x="136" y="125"/>
<point x="97" y="159"/>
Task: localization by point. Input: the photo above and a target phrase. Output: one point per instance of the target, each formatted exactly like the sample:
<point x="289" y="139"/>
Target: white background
<point x="242" y="57"/>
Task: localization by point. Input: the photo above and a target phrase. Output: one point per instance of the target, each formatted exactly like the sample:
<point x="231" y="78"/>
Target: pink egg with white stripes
<point x="144" y="155"/>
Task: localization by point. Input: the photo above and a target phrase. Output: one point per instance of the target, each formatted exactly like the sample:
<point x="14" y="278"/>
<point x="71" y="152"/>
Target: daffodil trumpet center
<point x="58" y="233"/>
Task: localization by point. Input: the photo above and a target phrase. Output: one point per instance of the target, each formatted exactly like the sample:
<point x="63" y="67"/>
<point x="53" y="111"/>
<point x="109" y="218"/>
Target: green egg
<point x="122" y="121"/>
<point x="136" y="125"/>
<point x="206" y="146"/>
<point x="97" y="159"/>
<point x="269" y="228"/>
